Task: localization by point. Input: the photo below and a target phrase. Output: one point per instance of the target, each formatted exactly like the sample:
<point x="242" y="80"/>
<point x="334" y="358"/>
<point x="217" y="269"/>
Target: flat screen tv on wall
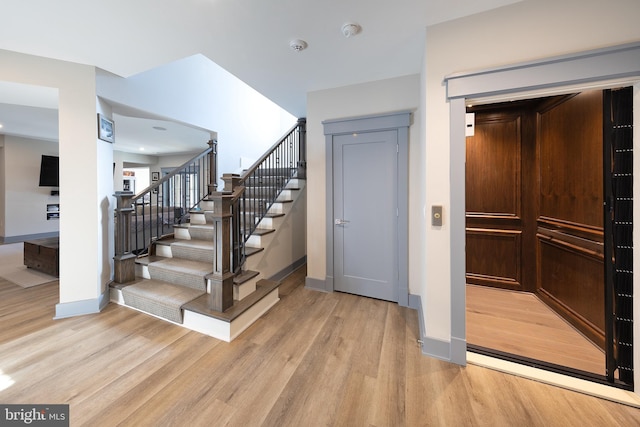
<point x="49" y="173"/>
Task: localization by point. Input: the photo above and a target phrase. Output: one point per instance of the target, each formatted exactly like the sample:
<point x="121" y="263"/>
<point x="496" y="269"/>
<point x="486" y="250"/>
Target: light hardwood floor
<point x="315" y="359"/>
<point x="519" y="323"/>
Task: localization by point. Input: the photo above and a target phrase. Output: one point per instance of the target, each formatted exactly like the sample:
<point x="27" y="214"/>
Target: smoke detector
<point x="349" y="29"/>
<point x="298" y="45"/>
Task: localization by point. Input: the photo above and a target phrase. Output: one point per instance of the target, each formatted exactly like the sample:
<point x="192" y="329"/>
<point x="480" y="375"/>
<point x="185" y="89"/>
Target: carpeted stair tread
<point x="184" y="272"/>
<point x="201" y="231"/>
<point x="195" y="243"/>
<point x="166" y="242"/>
<point x="197" y="250"/>
<point x="159" y="298"/>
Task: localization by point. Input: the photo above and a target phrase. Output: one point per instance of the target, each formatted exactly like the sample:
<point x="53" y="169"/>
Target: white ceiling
<point x="248" y="38"/>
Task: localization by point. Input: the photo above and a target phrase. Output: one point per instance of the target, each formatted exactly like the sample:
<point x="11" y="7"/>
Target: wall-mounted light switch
<point x="436" y="215"/>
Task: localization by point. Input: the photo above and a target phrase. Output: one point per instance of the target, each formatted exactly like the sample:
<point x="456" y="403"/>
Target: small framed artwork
<point x="155" y="176"/>
<point x="106" y="128"/>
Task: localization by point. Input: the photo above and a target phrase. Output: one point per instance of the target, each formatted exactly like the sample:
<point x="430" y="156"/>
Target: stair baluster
<point x="143" y="218"/>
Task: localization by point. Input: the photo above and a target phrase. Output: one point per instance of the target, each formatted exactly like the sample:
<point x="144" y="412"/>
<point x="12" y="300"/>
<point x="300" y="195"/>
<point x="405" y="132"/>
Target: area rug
<point x="12" y="267"/>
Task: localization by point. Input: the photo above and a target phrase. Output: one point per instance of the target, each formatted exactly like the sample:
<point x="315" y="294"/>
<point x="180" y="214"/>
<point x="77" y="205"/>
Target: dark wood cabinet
<point x="43" y="255"/>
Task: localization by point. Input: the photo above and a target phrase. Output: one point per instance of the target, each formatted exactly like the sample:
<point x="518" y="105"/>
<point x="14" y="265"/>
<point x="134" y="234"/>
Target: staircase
<point x="182" y="276"/>
<point x="173" y="283"/>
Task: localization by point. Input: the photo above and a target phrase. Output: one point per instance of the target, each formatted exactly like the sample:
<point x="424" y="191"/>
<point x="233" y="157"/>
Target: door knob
<point x="341" y="221"/>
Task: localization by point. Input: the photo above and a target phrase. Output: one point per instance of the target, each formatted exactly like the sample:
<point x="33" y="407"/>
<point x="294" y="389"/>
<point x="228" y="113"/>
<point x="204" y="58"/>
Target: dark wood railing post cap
<point x="231" y="180"/>
<point x="123" y="199"/>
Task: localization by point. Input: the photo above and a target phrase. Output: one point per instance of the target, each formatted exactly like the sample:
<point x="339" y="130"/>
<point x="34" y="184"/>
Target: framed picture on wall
<point x="106" y="128"/>
<point x="155" y="176"/>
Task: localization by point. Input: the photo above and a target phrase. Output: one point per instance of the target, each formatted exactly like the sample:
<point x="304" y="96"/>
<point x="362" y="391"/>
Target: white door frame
<point x="399" y="121"/>
<point x="580" y="71"/>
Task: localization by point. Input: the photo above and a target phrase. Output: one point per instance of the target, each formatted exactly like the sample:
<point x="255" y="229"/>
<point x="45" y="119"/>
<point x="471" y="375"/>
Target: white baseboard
<point x="80" y="308"/>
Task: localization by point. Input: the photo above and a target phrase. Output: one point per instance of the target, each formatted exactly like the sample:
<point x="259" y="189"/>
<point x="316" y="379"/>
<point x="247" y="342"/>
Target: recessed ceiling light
<point x="0" y="125"/>
<point x="141" y="148"/>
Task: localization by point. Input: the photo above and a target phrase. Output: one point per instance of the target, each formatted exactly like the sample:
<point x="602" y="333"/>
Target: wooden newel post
<point x="124" y="260"/>
<point x="221" y="297"/>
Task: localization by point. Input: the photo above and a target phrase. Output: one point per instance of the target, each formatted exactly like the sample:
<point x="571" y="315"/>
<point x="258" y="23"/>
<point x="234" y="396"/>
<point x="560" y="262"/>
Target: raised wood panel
<point x="570" y="170"/>
<point x="494" y="257"/>
<point x="571" y="280"/>
<point x="493" y="166"/>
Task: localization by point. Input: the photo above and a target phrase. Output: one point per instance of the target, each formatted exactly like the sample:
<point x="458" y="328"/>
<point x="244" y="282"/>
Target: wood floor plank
<point x="389" y="394"/>
<point x="520" y="323"/>
<point x="315" y="359"/>
<point x="113" y="401"/>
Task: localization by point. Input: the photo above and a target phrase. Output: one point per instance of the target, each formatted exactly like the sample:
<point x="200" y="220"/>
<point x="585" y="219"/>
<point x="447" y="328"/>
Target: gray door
<point x="366" y="214"/>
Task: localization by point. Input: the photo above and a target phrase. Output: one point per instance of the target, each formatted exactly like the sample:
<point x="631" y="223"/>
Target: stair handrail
<point x="139" y="221"/>
<point x="300" y="126"/>
<point x="287" y="159"/>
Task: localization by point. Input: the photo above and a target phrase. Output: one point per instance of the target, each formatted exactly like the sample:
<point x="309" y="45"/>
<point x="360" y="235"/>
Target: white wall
<point x="124" y="160"/>
<point x="197" y="92"/>
<point x="398" y="94"/>
<point x="521" y="32"/>
<point x="27" y="202"/>
<point x="84" y="162"/>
